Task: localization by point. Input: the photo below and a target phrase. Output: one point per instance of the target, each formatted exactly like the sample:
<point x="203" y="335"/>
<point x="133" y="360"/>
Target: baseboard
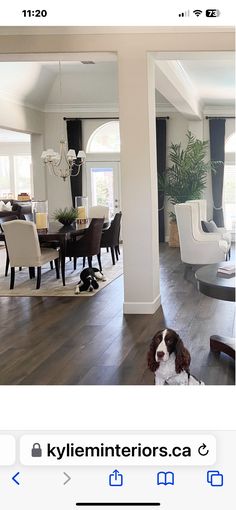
<point x="142" y="308"/>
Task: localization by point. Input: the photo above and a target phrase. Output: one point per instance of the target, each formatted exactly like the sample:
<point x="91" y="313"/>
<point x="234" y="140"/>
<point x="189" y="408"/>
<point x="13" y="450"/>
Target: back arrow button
<point x="14" y="478"/>
<point x="68" y="478"/>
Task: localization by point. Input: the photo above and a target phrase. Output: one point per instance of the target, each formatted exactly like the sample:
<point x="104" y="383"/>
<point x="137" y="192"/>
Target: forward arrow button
<point x="68" y="478"/>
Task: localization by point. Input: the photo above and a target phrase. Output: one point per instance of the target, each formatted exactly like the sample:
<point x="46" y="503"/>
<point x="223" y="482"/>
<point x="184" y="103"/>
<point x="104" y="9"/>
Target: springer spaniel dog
<point x="170" y="360"/>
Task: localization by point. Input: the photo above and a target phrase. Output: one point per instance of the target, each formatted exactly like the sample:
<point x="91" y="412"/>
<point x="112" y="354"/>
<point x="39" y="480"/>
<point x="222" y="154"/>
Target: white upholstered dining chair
<point x="197" y="248"/>
<point x="99" y="211"/>
<point x="24" y="249"/>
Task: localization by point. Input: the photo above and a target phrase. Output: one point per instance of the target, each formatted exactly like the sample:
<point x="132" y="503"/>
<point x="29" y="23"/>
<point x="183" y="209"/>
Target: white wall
<point x="17" y="117"/>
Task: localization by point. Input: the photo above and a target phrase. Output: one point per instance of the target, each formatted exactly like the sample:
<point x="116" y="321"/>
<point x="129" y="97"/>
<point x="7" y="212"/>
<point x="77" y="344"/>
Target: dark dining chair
<point x="111" y="237"/>
<point x="86" y="245"/>
<point x="4" y="219"/>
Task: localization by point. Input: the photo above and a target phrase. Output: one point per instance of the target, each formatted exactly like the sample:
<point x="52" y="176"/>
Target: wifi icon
<point x="197" y="12"/>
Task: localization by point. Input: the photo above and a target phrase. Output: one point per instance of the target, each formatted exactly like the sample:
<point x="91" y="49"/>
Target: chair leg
<point x="84" y="261"/>
<point x="38" y="277"/>
<point x="51" y="264"/>
<point x="113" y="256"/>
<point x="7" y="265"/>
<point x="116" y="252"/>
<point x="31" y="272"/>
<point x="107" y="249"/>
<point x="12" y="281"/>
<point x="57" y="266"/>
<point x="90" y="261"/>
<point x="99" y="261"/>
<point x="75" y="263"/>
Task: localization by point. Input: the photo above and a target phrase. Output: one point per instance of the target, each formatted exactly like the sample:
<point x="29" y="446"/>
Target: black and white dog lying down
<point x="169" y="359"/>
<point x="88" y="280"/>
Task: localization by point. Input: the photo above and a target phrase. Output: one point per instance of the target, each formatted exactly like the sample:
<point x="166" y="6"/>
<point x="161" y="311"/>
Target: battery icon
<point x="212" y="13"/>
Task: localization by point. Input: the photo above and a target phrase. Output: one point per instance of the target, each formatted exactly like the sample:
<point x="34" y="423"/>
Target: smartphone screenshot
<point x="117" y="255"/>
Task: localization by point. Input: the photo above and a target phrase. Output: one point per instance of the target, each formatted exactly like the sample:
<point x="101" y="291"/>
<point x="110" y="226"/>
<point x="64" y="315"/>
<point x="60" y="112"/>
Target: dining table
<point x="62" y="234"/>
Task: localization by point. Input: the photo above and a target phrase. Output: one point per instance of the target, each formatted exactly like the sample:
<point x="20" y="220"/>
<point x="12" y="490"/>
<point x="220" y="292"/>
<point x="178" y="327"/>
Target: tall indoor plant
<point x="186" y="178"/>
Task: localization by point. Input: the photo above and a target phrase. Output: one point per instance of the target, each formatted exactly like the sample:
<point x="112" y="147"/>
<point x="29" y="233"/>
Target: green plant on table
<point x="66" y="216"/>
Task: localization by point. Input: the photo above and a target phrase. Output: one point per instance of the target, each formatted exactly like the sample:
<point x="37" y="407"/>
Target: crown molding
<point x="165" y="108"/>
<point x="82" y="108"/>
<point x="219" y="110"/>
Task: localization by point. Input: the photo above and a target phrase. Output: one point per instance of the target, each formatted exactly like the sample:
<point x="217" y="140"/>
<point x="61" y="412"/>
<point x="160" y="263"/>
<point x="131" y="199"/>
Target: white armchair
<point x="24" y="249"/>
<point x="197" y="247"/>
<point x="202" y="216"/>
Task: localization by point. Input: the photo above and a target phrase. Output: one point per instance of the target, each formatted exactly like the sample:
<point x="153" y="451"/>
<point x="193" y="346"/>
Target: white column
<point x="39" y="179"/>
<point x="139" y="182"/>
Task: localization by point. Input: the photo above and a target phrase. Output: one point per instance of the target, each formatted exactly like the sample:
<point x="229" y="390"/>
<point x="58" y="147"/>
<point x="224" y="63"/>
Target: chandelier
<point x="63" y="164"/>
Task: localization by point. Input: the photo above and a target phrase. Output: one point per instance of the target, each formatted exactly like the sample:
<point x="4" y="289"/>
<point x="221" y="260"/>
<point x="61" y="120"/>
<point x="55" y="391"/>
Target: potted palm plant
<point x="186" y="178"/>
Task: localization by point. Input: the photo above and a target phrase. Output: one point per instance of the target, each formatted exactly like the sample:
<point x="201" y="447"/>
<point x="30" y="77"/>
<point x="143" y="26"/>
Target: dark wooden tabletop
<point x="56" y="228"/>
<point x="216" y="285"/>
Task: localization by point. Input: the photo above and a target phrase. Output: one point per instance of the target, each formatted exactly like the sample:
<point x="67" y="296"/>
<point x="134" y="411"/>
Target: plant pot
<point x="173" y="235"/>
<point x="66" y="222"/>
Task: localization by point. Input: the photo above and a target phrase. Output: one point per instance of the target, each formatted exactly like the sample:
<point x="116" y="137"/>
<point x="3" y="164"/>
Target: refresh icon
<point x="203" y="450"/>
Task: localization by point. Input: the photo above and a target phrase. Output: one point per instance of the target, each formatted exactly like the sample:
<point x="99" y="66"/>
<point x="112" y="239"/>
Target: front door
<point x="103" y="184"/>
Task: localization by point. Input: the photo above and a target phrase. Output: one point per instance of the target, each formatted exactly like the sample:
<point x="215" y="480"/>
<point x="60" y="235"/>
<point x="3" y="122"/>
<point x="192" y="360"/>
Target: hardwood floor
<point x="89" y="341"/>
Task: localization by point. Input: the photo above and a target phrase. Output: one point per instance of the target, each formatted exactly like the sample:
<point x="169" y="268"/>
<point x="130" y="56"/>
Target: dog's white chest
<point x="166" y="369"/>
<point x="166" y="373"/>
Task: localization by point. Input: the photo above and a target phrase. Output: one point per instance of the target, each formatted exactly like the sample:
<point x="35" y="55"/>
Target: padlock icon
<point x="36" y="450"/>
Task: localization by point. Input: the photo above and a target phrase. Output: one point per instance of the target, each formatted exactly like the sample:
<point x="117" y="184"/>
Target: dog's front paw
<point x="77" y="290"/>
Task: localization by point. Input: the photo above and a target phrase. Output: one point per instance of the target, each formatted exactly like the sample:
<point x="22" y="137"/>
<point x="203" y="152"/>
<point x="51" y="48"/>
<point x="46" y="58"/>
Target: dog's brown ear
<point x="152" y="363"/>
<point x="182" y="357"/>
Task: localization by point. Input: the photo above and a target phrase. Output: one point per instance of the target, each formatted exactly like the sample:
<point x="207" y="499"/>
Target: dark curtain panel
<point x="161" y="166"/>
<point x="217" y="147"/>
<point x="74" y="137"/>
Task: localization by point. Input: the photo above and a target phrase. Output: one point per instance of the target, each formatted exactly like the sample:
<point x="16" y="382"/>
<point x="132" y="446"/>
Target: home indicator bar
<point x="119" y="504"/>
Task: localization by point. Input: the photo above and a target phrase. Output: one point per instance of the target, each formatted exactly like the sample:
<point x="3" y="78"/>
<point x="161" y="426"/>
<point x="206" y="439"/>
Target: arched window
<point x="105" y="138"/>
<point x="230" y="143"/>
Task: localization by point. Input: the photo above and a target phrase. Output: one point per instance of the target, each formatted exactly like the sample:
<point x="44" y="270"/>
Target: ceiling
<point x="210" y="77"/>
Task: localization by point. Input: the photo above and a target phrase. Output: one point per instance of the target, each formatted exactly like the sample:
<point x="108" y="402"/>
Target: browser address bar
<point x="118" y="450"/>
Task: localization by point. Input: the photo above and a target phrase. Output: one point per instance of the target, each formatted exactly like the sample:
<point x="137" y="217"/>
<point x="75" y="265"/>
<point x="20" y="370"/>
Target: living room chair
<point x="209" y="226"/>
<point x="99" y="211"/>
<point x="24" y="249"/>
<point x="88" y="244"/>
<point x="196" y="249"/>
<point x="110" y="237"/>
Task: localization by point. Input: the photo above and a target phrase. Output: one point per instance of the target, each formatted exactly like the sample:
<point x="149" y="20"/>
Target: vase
<point x="81" y="204"/>
<point x="40" y="214"/>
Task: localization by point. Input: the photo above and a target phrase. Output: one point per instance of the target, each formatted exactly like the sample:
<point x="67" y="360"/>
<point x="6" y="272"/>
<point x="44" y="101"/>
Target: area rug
<point x="52" y="287"/>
